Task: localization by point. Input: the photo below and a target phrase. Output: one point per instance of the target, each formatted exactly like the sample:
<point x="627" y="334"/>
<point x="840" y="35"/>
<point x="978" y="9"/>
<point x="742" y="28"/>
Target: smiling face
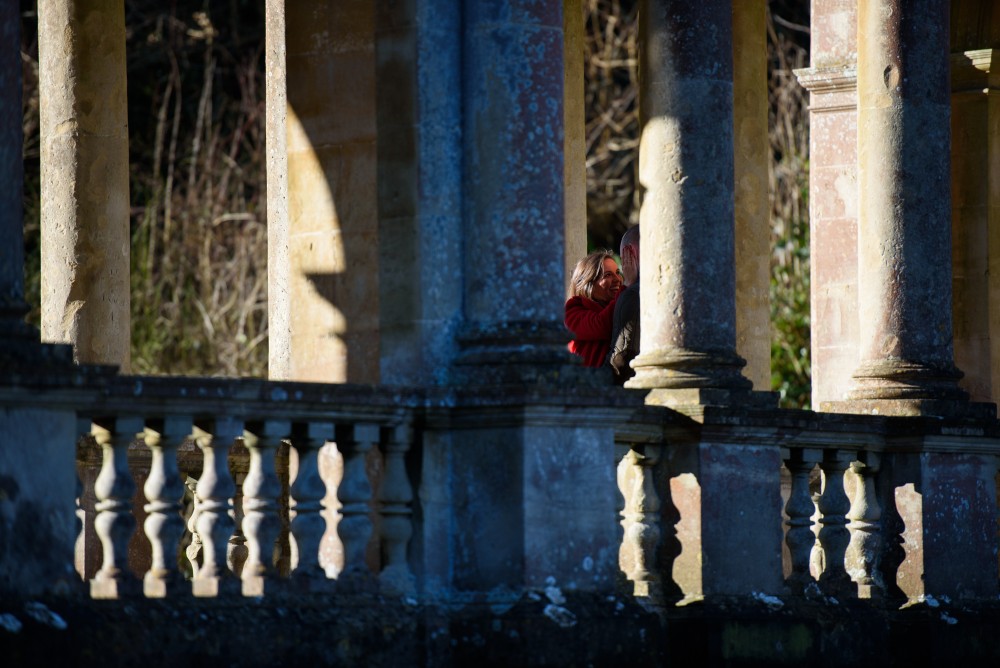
<point x="607" y="284"/>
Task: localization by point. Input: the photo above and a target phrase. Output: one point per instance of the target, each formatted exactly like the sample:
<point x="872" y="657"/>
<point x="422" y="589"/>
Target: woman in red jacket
<point x="590" y="311"/>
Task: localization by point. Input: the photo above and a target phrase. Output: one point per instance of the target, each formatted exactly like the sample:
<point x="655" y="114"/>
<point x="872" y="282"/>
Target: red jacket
<point x="590" y="323"/>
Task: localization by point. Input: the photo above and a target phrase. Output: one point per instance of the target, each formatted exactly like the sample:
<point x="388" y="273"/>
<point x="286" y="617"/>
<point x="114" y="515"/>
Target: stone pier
<point x="831" y="81"/>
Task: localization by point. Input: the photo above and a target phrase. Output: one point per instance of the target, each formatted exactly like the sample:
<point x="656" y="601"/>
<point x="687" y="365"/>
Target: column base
<point x="902" y="379"/>
<point x="956" y="409"/>
<point x="684" y="368"/>
<point x="516" y="353"/>
<point x="900" y="387"/>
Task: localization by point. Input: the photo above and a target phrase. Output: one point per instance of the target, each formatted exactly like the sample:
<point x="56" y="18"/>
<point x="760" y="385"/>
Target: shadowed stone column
<point x="752" y="212"/>
<point x="14" y="332"/>
<point x="904" y="242"/>
<point x="575" y="153"/>
<point x="833" y="197"/>
<point x="419" y="112"/>
<point x="513" y="183"/>
<point x="84" y="168"/>
<point x="686" y="167"/>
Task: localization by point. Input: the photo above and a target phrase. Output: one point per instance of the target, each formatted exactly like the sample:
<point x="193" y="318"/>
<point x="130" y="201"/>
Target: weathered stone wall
<point x="37" y="491"/>
<point x="331" y="328"/>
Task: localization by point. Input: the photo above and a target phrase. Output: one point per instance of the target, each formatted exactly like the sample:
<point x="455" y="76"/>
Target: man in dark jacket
<point x="625" y="327"/>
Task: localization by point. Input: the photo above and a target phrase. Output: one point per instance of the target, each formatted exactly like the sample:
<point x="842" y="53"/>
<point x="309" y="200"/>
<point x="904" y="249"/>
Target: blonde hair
<point x="588" y="271"/>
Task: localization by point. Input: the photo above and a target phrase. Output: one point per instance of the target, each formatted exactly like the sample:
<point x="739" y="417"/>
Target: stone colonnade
<point x="461" y="265"/>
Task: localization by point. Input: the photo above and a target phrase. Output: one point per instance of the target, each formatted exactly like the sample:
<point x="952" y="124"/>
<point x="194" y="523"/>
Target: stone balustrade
<point x="715" y="502"/>
<point x="236" y="443"/>
<point x="815" y="506"/>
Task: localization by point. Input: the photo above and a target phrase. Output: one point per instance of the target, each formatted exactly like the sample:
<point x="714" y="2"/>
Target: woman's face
<point x="608" y="284"/>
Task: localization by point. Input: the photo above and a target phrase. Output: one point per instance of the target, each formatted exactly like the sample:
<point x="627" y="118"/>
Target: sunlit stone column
<point x="84" y="168"/>
<point x="513" y="189"/>
<point x="279" y="352"/>
<point x="686" y="167"/>
<point x="904" y="241"/>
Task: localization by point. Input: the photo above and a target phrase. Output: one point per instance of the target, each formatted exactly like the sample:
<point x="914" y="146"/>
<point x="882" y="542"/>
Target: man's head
<point x="629" y="253"/>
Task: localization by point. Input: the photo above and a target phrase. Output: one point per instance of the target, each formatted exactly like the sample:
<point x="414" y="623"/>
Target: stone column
<point x="84" y="168"/>
<point x="904" y="241"/>
<point x="686" y="168"/>
<point x="419" y="115"/>
<point x="328" y="314"/>
<point x="833" y="197"/>
<point x="513" y="213"/>
<point x="575" y="138"/>
<point x="752" y="213"/>
<point x="13" y="329"/>
<point x="279" y="351"/>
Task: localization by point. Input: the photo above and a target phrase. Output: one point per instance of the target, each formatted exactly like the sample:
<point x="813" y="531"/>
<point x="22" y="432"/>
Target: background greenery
<point x="198" y="219"/>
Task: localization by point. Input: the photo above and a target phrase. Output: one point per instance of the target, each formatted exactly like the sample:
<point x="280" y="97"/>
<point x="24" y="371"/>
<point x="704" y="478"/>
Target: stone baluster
<point x="355" y="496"/>
<point x="114" y="522"/>
<point x="193" y="549"/>
<point x="214" y="491"/>
<point x="395" y="497"/>
<point x="85" y="534"/>
<point x="834" y="536"/>
<point x="261" y="489"/>
<point x="865" y="526"/>
<point x="236" y="549"/>
<point x="800" y="508"/>
<point x="164" y="491"/>
<point x="637" y="556"/>
<point x="307" y="492"/>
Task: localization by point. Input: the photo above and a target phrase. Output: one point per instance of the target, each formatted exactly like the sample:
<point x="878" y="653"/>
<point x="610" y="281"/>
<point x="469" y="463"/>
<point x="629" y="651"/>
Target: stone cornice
<point x="972" y="71"/>
<point x="831" y="88"/>
<point x="835" y="79"/>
